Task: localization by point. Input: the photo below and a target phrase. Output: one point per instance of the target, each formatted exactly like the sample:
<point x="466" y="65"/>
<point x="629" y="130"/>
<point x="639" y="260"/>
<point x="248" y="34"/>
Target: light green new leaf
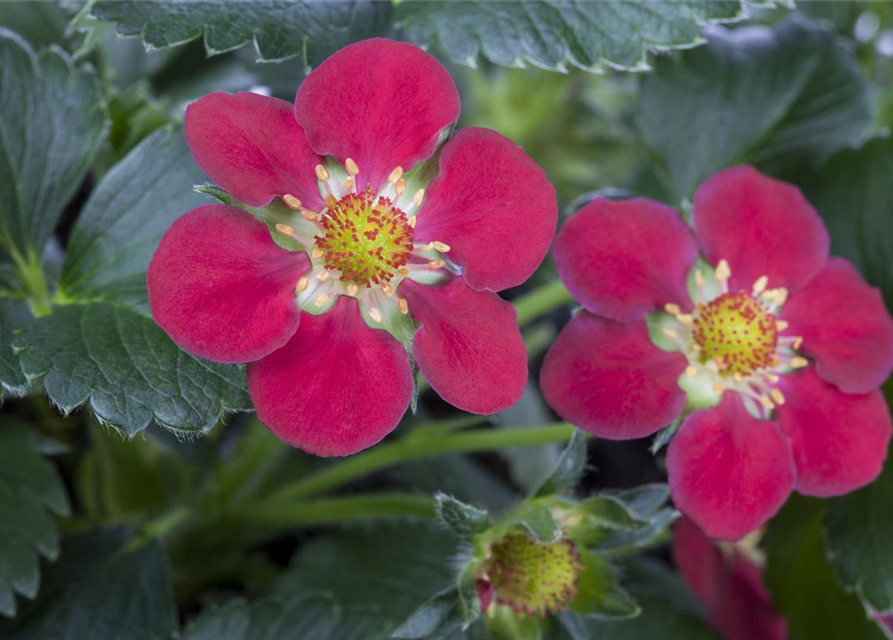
<point x="770" y="96"/>
<point x="30" y="489"/>
<point x="278" y="29"/>
<point x="128" y="368"/>
<point x="51" y="122"/>
<point x="552" y="33"/>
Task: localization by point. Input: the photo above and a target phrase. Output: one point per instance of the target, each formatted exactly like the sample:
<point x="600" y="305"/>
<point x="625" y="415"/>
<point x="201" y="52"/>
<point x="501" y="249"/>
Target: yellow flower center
<point x="736" y="331"/>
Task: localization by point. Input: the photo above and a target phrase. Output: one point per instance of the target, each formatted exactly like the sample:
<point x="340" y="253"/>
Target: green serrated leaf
<point x="599" y="593"/>
<point x="42" y="24"/>
<point x="123" y="221"/>
<point x="858" y="532"/>
<point x="669" y="611"/>
<point x="554" y="33"/>
<point x="463" y="519"/>
<point x="377" y="577"/>
<point x="279" y="30"/>
<point x="441" y="614"/>
<point x="51" y="122"/>
<point x="14" y="314"/>
<point x="854" y="195"/>
<point x="570" y="467"/>
<point x="796" y="559"/>
<point x="30" y="491"/>
<point x="273" y="618"/>
<point x="770" y="96"/>
<point x="128" y="368"/>
<point x="101" y="588"/>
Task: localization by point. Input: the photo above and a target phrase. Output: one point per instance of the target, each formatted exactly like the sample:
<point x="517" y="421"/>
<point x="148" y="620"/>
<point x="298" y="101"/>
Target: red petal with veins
<point x="608" y="378"/>
<point x="380" y="102"/>
<point x="761" y="226"/>
<point x="253" y="147"/>
<point x="728" y="471"/>
<point x="839" y="440"/>
<point x="221" y="288"/>
<point x="493" y="206"/>
<point x="845" y="326"/>
<point x="336" y="388"/>
<point x="624" y="259"/>
<point x="468" y="346"/>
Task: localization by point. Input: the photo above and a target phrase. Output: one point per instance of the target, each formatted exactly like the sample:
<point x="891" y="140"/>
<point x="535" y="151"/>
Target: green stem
<point x="422" y="442"/>
<point x="541" y="301"/>
<point x="333" y="511"/>
<point x="30" y="272"/>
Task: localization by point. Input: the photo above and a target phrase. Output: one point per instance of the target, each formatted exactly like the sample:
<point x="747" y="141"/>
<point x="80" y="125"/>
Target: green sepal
<point x="463" y="519"/>
<point x="505" y="624"/>
<point x="568" y="470"/>
<point x="599" y="593"/>
<point x="532" y="517"/>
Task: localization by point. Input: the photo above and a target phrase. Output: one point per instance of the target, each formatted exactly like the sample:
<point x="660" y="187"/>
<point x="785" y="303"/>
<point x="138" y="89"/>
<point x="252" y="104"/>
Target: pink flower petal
<point x="700" y="562"/>
<point x="468" y="346"/>
<point x="845" y="327"/>
<point x="839" y="440"/>
<point x="493" y="206"/>
<point x="624" y="259"/>
<point x="761" y="227"/>
<point x="221" y="288"/>
<point x="609" y="379"/>
<point x="728" y="471"/>
<point x="380" y="102"/>
<point x="738" y="604"/>
<point x="253" y="147"/>
<point x="336" y="388"/>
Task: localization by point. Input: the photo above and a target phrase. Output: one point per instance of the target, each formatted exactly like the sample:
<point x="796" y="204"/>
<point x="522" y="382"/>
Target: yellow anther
<point x="717" y="388"/>
<point x="375" y="314"/>
<point x="670" y="333"/>
<point x="330" y="200"/>
<point x="321" y="300"/>
<point x="309" y="215"/>
<point x="352" y="289"/>
<point x="411" y="221"/>
<point x="685" y="318"/>
<point x="322" y="276"/>
<point x="302" y="283"/>
<point x="285" y="229"/>
<point x="781" y="325"/>
<point x="291" y="202"/>
<point x="387" y="289"/>
<point x="798" y="363"/>
<point x="317" y="253"/>
<point x="436" y="264"/>
<point x="672" y="309"/>
<point x="771" y="377"/>
<point x="351" y="167"/>
<point x="440" y="246"/>
<point x="403" y="306"/>
<point x="760" y="285"/>
<point x="403" y="271"/>
<point x="396" y="174"/>
<point x="349" y="183"/>
<point x="777" y="396"/>
<point x="723" y="272"/>
<point x="321" y="173"/>
<point x="798" y="342"/>
<point x="691" y="370"/>
<point x="766" y="402"/>
<point x="400" y="187"/>
<point x="417" y="198"/>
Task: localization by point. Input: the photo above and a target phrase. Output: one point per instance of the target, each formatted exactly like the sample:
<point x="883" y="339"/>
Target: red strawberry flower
<point x="363" y="262"/>
<point x="728" y="581"/>
<point x="771" y="351"/>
